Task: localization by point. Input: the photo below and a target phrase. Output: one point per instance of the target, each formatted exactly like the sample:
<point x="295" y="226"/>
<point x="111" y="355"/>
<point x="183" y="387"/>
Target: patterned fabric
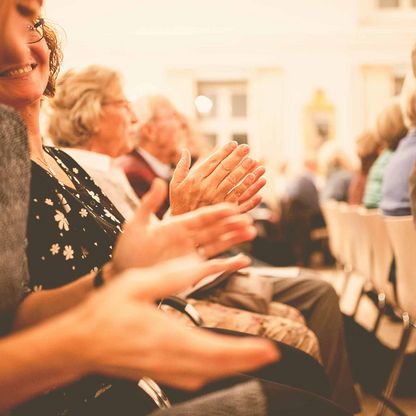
<point x="71" y="232"/>
<point x="286" y="311"/>
<point x="278" y="328"/>
<point x="14" y="202"/>
<point x="141" y="175"/>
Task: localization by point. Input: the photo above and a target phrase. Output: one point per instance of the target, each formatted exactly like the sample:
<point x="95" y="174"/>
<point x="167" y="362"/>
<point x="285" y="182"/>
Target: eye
<point x="26" y="10"/>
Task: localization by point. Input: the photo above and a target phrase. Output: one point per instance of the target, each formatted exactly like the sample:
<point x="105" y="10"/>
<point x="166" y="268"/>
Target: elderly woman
<point x="107" y="136"/>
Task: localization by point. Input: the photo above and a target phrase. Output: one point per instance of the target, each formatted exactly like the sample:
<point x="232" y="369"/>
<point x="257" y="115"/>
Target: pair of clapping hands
<point x="164" y="258"/>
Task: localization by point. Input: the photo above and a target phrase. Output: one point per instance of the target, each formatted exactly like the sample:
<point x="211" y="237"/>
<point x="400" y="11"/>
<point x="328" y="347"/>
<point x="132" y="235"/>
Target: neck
<point x="97" y="144"/>
<point x="30" y="114"/>
<point x="155" y="153"/>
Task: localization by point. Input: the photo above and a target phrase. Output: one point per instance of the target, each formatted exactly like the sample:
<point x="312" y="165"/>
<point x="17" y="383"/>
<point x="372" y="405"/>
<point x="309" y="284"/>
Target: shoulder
<point x="12" y="130"/>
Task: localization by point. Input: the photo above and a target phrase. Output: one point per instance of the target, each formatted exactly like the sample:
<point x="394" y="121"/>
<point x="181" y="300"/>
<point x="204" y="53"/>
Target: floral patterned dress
<point x="71" y="232"/>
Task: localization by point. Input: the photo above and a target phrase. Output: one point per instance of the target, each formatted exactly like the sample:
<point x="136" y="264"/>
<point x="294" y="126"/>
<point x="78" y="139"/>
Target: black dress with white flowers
<point x="70" y="232"/>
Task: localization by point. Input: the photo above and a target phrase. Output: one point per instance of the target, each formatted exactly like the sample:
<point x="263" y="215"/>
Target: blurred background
<point x="283" y="76"/>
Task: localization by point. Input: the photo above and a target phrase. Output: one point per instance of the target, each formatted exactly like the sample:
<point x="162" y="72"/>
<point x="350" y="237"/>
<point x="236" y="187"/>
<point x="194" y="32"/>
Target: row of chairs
<point x="365" y="243"/>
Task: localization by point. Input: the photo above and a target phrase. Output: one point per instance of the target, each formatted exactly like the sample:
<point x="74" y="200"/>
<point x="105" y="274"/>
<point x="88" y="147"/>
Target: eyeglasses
<point x="120" y="103"/>
<point x="35" y="32"/>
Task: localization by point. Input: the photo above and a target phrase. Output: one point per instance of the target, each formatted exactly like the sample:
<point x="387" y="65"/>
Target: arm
<point x="44" y="304"/>
<point x="118" y="332"/>
<point x="23" y="373"/>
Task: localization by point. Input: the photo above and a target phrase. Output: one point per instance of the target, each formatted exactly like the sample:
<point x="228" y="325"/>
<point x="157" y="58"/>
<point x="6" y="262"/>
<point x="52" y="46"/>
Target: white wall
<point x="310" y="43"/>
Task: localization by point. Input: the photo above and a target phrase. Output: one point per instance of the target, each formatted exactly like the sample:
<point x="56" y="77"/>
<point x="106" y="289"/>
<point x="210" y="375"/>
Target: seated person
<point x="390" y="129"/>
<point x="395" y="192"/>
<point x="335" y="167"/>
<point x="160" y="136"/>
<point x="367" y="148"/>
<point x="316" y="298"/>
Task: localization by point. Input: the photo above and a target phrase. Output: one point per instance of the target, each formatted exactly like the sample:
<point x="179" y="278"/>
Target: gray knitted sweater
<point x="14" y="200"/>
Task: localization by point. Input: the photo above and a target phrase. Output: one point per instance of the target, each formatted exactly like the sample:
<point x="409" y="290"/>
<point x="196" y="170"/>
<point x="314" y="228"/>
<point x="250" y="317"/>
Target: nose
<point x="134" y="119"/>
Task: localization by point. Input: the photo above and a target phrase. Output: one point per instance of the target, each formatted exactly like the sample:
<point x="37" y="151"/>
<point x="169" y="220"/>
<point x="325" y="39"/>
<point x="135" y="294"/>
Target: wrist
<point x="72" y="343"/>
<point x="105" y="274"/>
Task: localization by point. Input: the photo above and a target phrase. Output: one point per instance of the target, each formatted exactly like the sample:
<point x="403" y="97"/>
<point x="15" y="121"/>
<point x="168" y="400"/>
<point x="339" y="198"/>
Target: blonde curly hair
<point x="76" y="108"/>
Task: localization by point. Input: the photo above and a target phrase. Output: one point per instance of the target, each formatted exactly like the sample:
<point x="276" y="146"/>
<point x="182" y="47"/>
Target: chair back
<point x="347" y="228"/>
<point x="329" y="209"/>
<point x="381" y="251"/>
<point x="402" y="234"/>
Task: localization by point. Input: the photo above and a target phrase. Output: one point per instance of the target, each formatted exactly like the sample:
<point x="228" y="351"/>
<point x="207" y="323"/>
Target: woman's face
<point x="117" y="127"/>
<point x="14" y="16"/>
<point x="24" y="82"/>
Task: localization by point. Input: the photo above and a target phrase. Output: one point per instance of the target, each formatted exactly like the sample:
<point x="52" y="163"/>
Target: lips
<point x="17" y="72"/>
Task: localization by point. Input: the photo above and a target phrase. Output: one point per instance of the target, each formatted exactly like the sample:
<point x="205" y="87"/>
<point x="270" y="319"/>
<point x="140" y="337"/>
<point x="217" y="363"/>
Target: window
<point x="384" y="4"/>
<point x="222" y="111"/>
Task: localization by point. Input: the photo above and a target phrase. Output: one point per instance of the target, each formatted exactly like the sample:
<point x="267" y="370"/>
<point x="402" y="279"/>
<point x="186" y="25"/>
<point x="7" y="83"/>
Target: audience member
<point x="335" y="167"/>
<point x="390" y="129"/>
<point x="161" y="135"/>
<point x="396" y="199"/>
<point x="367" y="148"/>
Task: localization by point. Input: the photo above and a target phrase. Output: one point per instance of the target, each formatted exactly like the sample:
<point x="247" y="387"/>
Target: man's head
<point x="161" y="129"/>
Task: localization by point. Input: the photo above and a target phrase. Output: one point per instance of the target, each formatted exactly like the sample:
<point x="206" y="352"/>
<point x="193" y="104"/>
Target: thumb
<point x="165" y="279"/>
<point x="152" y="200"/>
<point x="182" y="168"/>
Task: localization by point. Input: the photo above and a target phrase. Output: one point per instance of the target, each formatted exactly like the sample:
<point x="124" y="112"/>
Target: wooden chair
<point x="402" y="234"/>
<point x="381" y="257"/>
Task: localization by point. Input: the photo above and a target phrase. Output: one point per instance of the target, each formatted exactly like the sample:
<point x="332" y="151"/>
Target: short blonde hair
<point x="390" y="125"/>
<point x="75" y="110"/>
<point x="408" y="100"/>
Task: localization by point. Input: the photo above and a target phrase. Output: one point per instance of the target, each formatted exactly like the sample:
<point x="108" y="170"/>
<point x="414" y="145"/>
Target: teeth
<point x="18" y="71"/>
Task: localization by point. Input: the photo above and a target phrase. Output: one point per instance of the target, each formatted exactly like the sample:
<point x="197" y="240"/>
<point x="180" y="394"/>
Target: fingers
<point x="255" y="187"/>
<point x="250" y="204"/>
<point x="202" y="217"/>
<point x="227" y="166"/>
<point x="152" y="283"/>
<point x="182" y="168"/>
<point x="189" y="359"/>
<point x="223" y="265"/>
<point x="222" y="235"/>
<point x="209" y="165"/>
<point x="230" y="240"/>
<point x="226" y="356"/>
<point x="236" y="176"/>
<point x="235" y="194"/>
<point x="165" y="279"/>
<point x="152" y="200"/>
